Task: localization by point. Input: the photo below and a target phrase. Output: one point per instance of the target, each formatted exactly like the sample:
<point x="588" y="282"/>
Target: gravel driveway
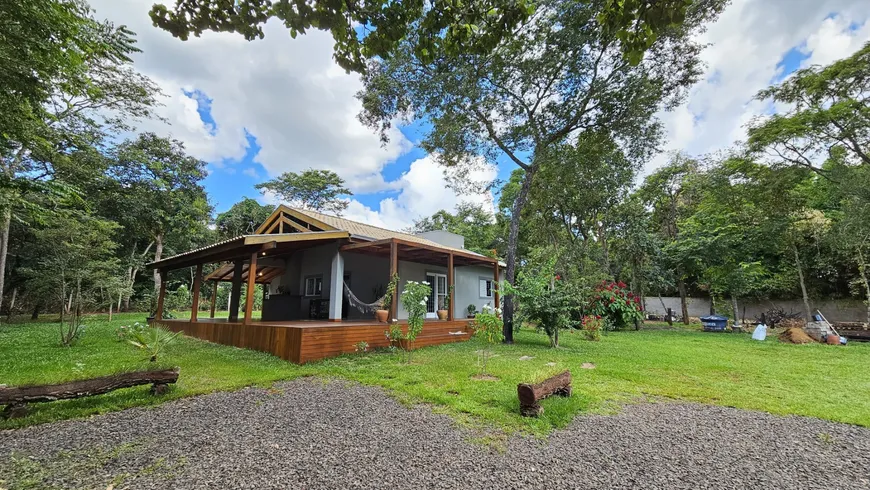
<point x="311" y="434"/>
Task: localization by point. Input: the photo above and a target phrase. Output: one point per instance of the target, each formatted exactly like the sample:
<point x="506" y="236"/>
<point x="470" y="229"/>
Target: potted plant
<point x="471" y="311"/>
<point x="383" y="313"/>
<point x="444" y="304"/>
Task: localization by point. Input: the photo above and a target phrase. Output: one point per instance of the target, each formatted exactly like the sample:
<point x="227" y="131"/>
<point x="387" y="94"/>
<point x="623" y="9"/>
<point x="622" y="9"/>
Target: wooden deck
<point x="305" y="341"/>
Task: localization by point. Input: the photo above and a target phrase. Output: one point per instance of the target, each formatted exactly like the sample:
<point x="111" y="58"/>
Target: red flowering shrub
<point x="618" y="306"/>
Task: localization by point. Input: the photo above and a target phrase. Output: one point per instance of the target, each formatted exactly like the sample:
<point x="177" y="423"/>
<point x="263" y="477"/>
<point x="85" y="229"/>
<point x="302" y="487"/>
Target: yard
<point x="721" y="369"/>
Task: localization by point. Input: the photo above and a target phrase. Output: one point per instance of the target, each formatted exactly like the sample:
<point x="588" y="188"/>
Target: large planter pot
<point x="442" y="314"/>
<point x="382" y="315"/>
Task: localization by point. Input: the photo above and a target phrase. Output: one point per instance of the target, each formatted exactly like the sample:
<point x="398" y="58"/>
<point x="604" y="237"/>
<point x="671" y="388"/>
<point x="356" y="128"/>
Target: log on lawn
<point x="15" y="397"/>
<point x="531" y="394"/>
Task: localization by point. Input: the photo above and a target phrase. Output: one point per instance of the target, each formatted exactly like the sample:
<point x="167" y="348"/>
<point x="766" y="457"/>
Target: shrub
<point x="619" y="307"/>
<point x="388" y="293"/>
<point x="592" y="326"/>
<point x="152" y="340"/>
<point x="361" y="346"/>
<point x="488" y="326"/>
<point x="545" y="299"/>
<point x="414" y="298"/>
<point x="125" y="332"/>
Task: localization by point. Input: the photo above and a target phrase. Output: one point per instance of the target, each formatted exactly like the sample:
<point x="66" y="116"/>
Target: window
<point x="486" y="288"/>
<point x="313" y="285"/>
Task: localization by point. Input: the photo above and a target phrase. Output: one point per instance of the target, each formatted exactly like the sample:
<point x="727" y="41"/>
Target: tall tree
<point x="828" y="107"/>
<point x="90" y="95"/>
<point x="667" y="192"/>
<point x="559" y="76"/>
<point x="318" y="190"/>
<point x="470" y="220"/>
<point x="160" y="186"/>
<point x="243" y="218"/>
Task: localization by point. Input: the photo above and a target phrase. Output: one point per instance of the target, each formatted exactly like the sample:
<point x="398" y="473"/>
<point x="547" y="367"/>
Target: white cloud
<point x="423" y="192"/>
<point x="286" y="92"/>
<point x="251" y="172"/>
<point x="746" y="46"/>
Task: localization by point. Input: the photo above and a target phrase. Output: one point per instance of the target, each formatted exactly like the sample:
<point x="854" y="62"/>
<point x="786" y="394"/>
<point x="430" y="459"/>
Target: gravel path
<point x="311" y="434"/>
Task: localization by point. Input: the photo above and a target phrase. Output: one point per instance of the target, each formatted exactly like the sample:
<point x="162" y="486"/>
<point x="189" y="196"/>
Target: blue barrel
<point x="714" y="323"/>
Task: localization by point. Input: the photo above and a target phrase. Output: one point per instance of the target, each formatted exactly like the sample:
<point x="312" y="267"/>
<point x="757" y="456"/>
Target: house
<point x="320" y="274"/>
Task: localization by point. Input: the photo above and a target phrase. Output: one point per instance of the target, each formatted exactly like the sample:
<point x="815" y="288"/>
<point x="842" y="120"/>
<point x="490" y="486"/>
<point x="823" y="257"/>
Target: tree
<point x="666" y="191"/>
<point x="472" y="221"/>
<point x="318" y="190"/>
<point x="160" y="187"/>
<point x="827" y="108"/>
<point x="561" y="75"/>
<point x="243" y="218"/>
<point x="436" y="27"/>
<point x="76" y="97"/>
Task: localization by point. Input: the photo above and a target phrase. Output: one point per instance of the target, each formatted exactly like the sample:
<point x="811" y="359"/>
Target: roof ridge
<point x="303" y="210"/>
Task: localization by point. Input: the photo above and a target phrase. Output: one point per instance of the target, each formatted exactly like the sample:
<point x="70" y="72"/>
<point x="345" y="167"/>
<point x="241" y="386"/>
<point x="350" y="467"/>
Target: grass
<point x="814" y="380"/>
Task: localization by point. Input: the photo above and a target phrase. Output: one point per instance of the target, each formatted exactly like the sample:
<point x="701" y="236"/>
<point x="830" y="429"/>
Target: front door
<point x="438" y="283"/>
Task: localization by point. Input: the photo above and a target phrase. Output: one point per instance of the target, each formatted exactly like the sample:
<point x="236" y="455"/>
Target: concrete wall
<point x="444" y="238"/>
<point x="845" y="310"/>
<point x="467" y="289"/>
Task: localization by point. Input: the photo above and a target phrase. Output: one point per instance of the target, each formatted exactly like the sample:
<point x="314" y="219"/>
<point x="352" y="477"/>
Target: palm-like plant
<point x="152" y="340"/>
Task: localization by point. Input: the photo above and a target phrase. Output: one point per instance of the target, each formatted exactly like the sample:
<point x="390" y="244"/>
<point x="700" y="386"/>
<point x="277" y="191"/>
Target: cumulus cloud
<point x="746" y="47"/>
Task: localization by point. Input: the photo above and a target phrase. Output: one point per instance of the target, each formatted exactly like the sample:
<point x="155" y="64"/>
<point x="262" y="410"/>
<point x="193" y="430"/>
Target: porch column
<point x="213" y="298"/>
<point x="160" y="295"/>
<point x="252" y="281"/>
<point x="450" y="287"/>
<point x="236" y="291"/>
<point x="394" y="269"/>
<point x="495" y="284"/>
<point x="197" y="283"/>
<point x="336" y="287"/>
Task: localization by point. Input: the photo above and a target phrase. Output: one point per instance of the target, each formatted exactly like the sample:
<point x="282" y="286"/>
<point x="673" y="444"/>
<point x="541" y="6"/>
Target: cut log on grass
<point x="531" y="394"/>
<point x="15" y="398"/>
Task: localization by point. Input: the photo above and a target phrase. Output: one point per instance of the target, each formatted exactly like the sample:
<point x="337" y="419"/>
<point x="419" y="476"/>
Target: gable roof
<point x="355" y="228"/>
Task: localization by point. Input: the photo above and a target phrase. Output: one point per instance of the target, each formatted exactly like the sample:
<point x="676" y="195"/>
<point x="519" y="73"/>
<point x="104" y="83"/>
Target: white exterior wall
<point x="467" y="288"/>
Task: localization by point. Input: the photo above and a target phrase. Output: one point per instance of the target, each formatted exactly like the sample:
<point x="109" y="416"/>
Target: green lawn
<point x="724" y="369"/>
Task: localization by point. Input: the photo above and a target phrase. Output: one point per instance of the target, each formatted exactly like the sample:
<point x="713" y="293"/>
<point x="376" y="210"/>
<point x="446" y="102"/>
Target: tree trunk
<point x="530" y="394"/>
<point x="511" y="258"/>
<point x="4" y="246"/>
<point x="797" y="261"/>
<point x="12" y="305"/>
<point x="602" y="240"/>
<point x="684" y="305"/>
<point x="158" y="254"/>
<point x="862" y="268"/>
<point x="735" y="308"/>
<point x="36" y="308"/>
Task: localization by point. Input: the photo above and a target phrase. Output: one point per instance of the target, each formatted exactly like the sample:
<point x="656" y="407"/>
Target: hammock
<point x="359" y="304"/>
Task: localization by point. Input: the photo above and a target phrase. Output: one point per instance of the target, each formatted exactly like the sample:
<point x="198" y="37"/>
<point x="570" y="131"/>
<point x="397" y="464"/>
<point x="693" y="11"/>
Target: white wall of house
<point x="368" y="273"/>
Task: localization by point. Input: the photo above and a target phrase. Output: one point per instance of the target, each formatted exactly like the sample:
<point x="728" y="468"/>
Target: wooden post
<point x="252" y="281"/>
<point x="495" y="285"/>
<point x="213" y="298"/>
<point x="162" y="294"/>
<point x="236" y="291"/>
<point x="450" y="286"/>
<point x="197" y="283"/>
<point x="394" y="269"/>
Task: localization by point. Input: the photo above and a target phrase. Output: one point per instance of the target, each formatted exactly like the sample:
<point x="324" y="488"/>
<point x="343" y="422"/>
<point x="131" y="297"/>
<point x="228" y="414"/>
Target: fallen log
<point x="15" y="398"/>
<point x="531" y="394"/>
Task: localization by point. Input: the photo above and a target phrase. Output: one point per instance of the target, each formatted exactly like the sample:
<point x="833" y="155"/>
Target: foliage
<point x="619" y="307"/>
<point x="318" y="190"/>
<point x="445" y="301"/>
<point x="125" y="332"/>
<point x="471" y="310"/>
<point x="361" y="346"/>
<point x="414" y="298"/>
<point x="436" y="30"/>
<point x="152" y="340"/>
<point x="389" y="291"/>
<point x="243" y="218"/>
<point x="72" y="330"/>
<point x="472" y="221"/>
<point x="546" y="300"/>
<point x="488" y="326"/>
<point x="591" y="326"/>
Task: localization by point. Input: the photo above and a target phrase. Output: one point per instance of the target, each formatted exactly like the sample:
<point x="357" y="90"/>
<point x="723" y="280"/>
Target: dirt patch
<point x="795" y="335"/>
<point x="484" y="377"/>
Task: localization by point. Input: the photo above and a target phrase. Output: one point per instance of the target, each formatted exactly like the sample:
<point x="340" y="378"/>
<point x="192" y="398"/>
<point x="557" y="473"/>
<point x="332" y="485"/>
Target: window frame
<point x="316" y="293"/>
<point x="489" y="287"/>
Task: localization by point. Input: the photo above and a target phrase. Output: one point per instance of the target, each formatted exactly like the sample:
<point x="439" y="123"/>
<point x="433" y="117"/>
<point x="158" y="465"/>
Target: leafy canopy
<point x="318" y="190"/>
